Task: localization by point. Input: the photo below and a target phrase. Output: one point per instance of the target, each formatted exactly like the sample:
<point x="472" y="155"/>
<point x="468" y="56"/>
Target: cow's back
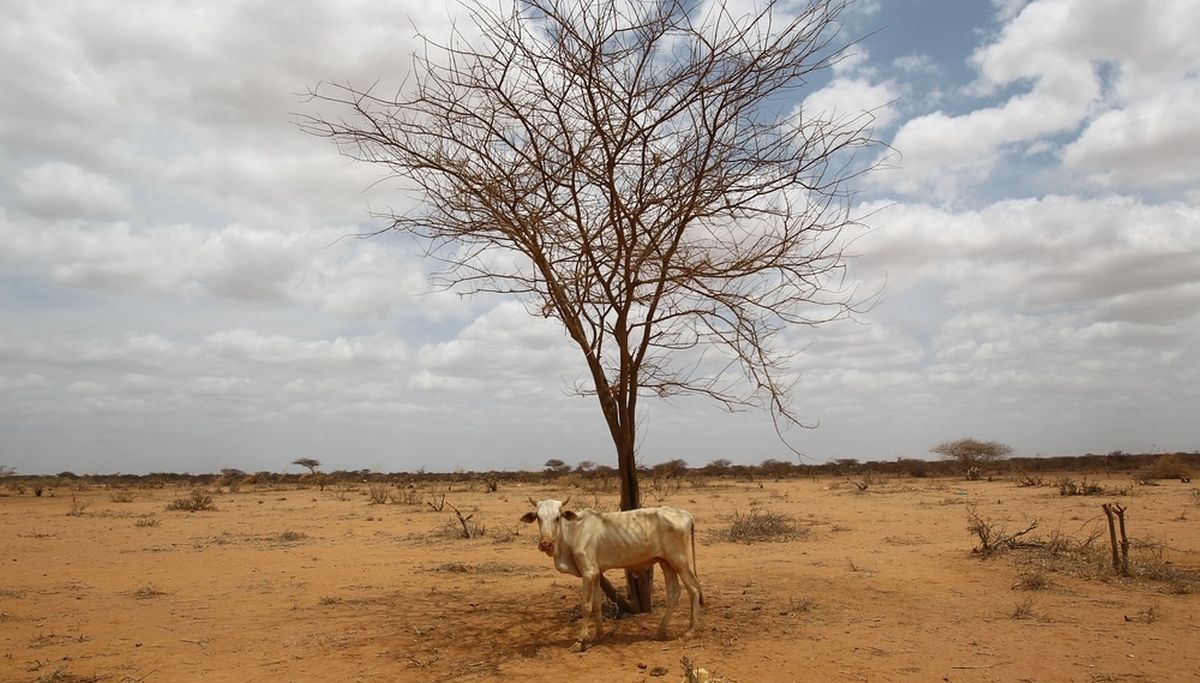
<point x="634" y="538"/>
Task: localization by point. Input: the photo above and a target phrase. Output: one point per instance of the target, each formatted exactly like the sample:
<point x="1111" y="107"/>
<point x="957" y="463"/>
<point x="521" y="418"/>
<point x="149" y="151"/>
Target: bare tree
<point x="636" y="170"/>
<point x="311" y="463"/>
<point x="972" y="455"/>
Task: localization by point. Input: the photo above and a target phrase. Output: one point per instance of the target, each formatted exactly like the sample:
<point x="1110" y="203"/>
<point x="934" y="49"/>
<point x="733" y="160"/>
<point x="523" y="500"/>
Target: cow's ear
<point x="529" y="517"/>
<point x="569" y="515"/>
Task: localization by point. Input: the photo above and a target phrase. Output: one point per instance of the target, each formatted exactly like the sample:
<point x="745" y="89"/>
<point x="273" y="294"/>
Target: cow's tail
<point x="695" y="571"/>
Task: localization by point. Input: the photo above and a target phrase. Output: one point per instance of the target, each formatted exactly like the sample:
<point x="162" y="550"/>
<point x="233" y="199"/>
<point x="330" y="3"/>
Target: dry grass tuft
<point x="1023" y="610"/>
<point x="148" y="591"/>
<point x="197" y="501"/>
<point x="1069" y="487"/>
<point x="1032" y="580"/>
<point x="147" y="521"/>
<point x="759" y="526"/>
<point x="290" y="537"/>
<point x="64" y="676"/>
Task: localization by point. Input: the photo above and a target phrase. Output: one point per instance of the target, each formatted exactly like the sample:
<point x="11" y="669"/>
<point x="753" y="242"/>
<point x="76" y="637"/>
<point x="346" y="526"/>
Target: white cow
<point x="586" y="543"/>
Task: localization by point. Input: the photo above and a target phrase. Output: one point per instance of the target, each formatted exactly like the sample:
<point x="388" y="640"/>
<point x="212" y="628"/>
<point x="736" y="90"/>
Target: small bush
<point x="378" y="493"/>
<point x="405" y="497"/>
<point x="147" y="592"/>
<point x="147" y="521"/>
<point x="197" y="501"/>
<point x="121" y="497"/>
<point x="761" y="525"/>
<point x="1023" y="610"/>
<point x="1032" y="580"/>
<point x="994" y="538"/>
<point x="1028" y="480"/>
<point x="1068" y="487"/>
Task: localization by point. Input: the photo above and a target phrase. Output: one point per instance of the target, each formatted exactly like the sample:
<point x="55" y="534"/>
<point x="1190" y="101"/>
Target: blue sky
<point x="174" y="295"/>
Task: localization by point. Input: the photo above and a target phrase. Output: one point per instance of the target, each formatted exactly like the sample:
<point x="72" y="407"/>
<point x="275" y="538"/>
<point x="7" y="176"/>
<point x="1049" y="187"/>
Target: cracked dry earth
<point x="287" y="584"/>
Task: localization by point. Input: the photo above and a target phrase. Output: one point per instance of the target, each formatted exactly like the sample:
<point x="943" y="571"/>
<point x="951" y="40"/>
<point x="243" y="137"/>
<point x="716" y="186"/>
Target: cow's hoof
<point x="688" y="634"/>
<point x="661" y="634"/>
<point x="579" y="646"/>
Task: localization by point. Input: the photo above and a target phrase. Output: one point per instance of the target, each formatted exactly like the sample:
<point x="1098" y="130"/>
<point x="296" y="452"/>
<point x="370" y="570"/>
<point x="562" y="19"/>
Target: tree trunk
<point x="637" y="582"/>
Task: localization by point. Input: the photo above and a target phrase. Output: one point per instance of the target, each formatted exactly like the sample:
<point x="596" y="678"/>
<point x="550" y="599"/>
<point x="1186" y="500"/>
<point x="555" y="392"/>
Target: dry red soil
<point x="880" y="585"/>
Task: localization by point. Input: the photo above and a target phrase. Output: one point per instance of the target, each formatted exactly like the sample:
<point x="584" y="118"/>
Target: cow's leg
<point x="692" y="584"/>
<point x="671" y="579"/>
<point x="591" y="579"/>
<point x="597" y="615"/>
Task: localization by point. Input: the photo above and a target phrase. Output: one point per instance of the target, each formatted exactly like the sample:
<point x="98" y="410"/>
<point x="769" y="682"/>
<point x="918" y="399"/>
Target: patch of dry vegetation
<point x="759" y="526"/>
<point x="197" y="501"/>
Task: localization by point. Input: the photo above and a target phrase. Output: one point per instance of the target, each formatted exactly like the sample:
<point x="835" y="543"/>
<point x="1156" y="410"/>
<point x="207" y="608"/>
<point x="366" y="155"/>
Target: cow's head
<point x="548" y="515"/>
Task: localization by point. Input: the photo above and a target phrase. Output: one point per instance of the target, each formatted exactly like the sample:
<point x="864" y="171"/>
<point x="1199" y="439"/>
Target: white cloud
<point x="58" y="189"/>
<point x="1060" y="48"/>
<point x="245" y="344"/>
<point x="1153" y="142"/>
<point x="850" y="98"/>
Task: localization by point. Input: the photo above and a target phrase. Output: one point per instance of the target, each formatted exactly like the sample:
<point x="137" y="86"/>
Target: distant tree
<point x="585" y="467"/>
<point x="311" y="463"/>
<point x="671" y="469"/>
<point x="972" y="455"/>
<point x="556" y="466"/>
<point x="718" y="467"/>
<point x="603" y="471"/>
<point x="775" y="468"/>
<point x="7" y="471"/>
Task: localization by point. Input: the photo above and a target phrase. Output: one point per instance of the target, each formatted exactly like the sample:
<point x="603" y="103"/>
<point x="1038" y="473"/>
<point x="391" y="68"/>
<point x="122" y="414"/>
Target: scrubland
<point x="850" y="578"/>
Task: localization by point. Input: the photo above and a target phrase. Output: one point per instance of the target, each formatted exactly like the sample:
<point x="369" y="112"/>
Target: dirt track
<point x="308" y="585"/>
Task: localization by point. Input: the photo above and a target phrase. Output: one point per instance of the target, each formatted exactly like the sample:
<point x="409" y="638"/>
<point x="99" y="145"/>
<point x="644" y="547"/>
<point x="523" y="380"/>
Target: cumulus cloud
<point x="849" y="98"/>
<point x="244" y="344"/>
<point x="1153" y="142"/>
<point x="1061" y="49"/>
<point x="174" y="253"/>
<point x="58" y="189"/>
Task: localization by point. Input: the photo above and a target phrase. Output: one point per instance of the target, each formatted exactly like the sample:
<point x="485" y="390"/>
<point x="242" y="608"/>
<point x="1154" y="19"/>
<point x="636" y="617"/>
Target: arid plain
<point x="280" y="583"/>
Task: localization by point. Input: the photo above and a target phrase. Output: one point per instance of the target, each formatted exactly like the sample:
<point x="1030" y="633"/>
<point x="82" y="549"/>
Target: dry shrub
<point x="147" y="592"/>
<point x="121" y="497"/>
<point x="1023" y="610"/>
<point x="1028" y="480"/>
<point x="378" y="493"/>
<point x="1169" y="466"/>
<point x="147" y="521"/>
<point x="1069" y="487"/>
<point x="64" y="676"/>
<point x="198" y="500"/>
<point x="761" y="525"/>
<point x="1032" y="580"/>
<point x="405" y="497"/>
<point x="994" y="538"/>
<point x="290" y="537"/>
<point x="485" y="568"/>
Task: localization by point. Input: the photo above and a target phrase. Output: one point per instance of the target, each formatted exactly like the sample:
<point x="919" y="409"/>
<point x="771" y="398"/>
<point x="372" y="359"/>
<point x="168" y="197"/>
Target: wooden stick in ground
<point x="1112" y="535"/>
<point x="1120" y="510"/>
<point x="463" y="520"/>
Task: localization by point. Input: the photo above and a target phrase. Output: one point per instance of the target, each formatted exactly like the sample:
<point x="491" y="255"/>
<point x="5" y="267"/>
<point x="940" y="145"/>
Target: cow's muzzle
<point x="546" y="547"/>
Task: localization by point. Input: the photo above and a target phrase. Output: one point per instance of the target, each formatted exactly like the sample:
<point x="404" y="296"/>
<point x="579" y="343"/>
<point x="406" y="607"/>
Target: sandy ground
<point x="308" y="585"/>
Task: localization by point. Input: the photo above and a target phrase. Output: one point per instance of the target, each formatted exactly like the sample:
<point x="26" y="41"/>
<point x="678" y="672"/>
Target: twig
<point x="979" y="666"/>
